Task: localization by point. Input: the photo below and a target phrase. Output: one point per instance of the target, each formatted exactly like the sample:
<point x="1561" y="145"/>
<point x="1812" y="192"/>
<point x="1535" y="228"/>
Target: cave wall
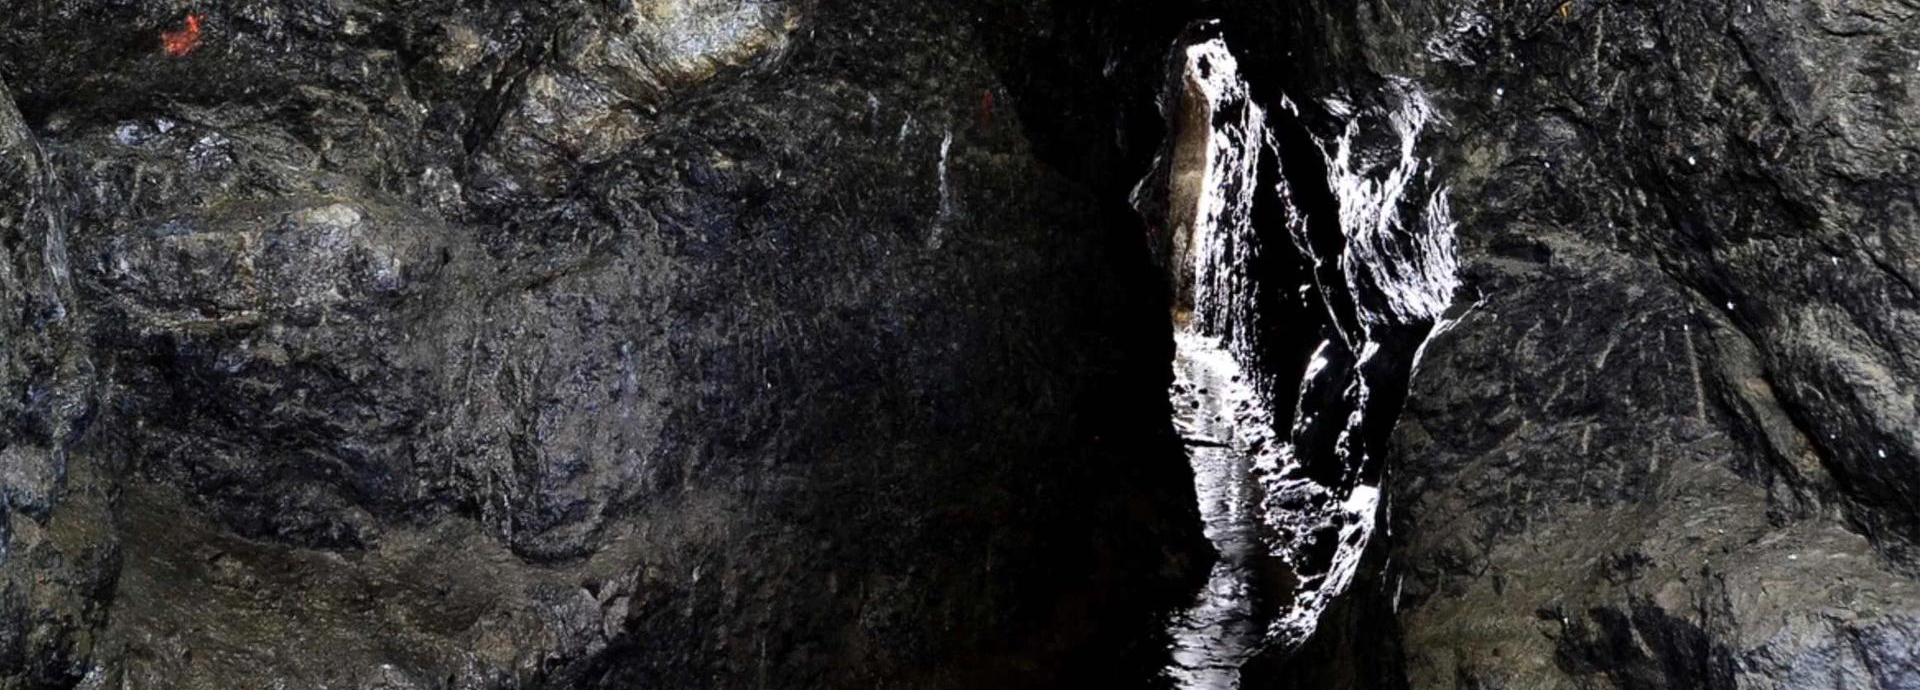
<point x="1665" y="435"/>
<point x="617" y="331"/>
<point x="491" y="345"/>
<point x="1669" y="441"/>
<point x="58" y="556"/>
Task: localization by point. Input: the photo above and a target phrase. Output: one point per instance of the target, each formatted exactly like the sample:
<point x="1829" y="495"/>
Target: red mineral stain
<point x="180" y="42"/>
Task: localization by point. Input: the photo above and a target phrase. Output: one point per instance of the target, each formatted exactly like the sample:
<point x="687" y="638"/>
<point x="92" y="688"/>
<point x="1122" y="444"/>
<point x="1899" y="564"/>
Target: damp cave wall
<point x="681" y="343"/>
<point x="1664" y="437"/>
<point x="1687" y="235"/>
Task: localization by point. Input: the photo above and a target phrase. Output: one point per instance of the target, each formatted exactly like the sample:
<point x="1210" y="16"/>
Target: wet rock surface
<point x="689" y="343"/>
<point x="1223" y="423"/>
<point x="1661" y="436"/>
<point x="500" y="345"/>
<point x="1665" y="440"/>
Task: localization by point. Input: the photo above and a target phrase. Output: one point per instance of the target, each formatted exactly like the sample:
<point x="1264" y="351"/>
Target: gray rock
<point x="58" y="552"/>
<point x="683" y="344"/>
<point x="792" y="343"/>
<point x="1671" y="442"/>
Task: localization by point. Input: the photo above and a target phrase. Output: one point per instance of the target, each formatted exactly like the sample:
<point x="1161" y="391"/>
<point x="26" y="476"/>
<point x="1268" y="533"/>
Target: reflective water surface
<point x="1216" y="411"/>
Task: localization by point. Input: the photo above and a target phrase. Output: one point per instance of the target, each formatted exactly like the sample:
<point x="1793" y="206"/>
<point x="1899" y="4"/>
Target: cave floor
<point x="1222" y="627"/>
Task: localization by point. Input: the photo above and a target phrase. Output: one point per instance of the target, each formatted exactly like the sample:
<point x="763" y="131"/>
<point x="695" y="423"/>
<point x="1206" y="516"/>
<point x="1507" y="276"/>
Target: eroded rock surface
<point x="1664" y="435"/>
<point x="686" y="343"/>
<point x="501" y="345"/>
<point x="1671" y="444"/>
<point x="58" y="551"/>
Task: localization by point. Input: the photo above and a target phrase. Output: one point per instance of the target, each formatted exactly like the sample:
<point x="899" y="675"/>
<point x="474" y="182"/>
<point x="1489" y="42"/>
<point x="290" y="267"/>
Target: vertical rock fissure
<point x="1219" y="409"/>
<point x="1306" y="274"/>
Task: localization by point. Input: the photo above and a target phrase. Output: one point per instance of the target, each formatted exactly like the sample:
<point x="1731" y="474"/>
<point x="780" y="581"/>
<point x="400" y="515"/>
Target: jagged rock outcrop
<point x="1667" y="438"/>
<point x="814" y="344"/>
<point x="1665" y="435"/>
<point x="491" y="345"/>
<point x="58" y="549"/>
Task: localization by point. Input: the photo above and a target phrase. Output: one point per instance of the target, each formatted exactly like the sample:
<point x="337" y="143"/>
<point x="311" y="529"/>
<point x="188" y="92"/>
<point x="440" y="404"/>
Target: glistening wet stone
<point x="565" y="345"/>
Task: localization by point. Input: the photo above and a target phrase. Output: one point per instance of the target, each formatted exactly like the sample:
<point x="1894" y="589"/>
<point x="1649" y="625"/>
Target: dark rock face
<point x="665" y="343"/>
<point x="58" y="559"/>
<point x="1665" y="437"/>
<point x="693" y="343"/>
<point x="1671" y="443"/>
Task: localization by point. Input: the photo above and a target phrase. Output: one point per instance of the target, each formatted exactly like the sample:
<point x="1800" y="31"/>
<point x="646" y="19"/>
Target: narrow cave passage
<point x="1224" y="421"/>
<point x="798" y="344"/>
<point x="1224" y="426"/>
<point x="1301" y="292"/>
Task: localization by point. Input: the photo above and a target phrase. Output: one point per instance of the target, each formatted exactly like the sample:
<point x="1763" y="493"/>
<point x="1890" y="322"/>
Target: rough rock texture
<point x="1670" y="443"/>
<point x="666" y="343"/>
<point x="58" y="560"/>
<point x="1320" y="266"/>
<point x="687" y="343"/>
<point x="1665" y="437"/>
